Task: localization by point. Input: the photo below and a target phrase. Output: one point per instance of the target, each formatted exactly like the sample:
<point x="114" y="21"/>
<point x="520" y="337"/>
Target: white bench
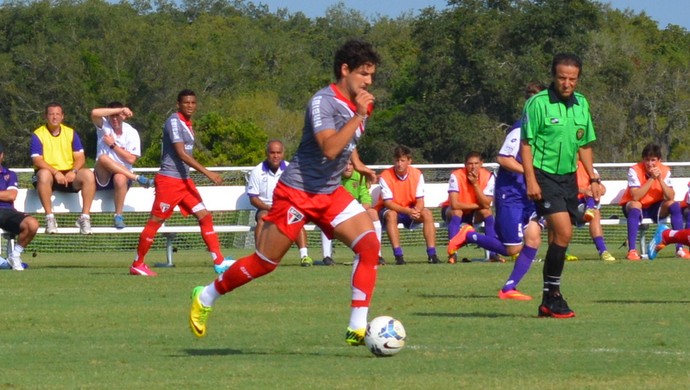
<point x="138" y="199"/>
<point x="233" y="198"/>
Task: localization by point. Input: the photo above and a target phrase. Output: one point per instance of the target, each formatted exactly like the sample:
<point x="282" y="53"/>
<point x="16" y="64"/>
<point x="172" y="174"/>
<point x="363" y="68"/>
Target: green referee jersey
<point x="357" y="187"/>
<point x="556" y="130"/>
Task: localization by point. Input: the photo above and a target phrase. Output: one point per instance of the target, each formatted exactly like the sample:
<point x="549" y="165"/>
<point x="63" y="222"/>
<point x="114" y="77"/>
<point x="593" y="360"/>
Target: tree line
<point x="450" y="80"/>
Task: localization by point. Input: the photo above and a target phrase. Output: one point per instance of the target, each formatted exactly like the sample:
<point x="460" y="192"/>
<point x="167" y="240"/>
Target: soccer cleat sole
<point x="545" y="312"/>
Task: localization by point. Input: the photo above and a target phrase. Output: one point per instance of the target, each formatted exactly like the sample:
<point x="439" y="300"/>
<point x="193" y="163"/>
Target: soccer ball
<point x="385" y="336"/>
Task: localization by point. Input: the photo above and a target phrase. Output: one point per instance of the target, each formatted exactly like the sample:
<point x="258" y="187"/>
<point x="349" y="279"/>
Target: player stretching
<point x="309" y="190"/>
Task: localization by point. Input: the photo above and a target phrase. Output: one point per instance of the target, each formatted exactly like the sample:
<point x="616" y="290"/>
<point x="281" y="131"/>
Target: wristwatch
<point x="112" y="146"/>
<point x="595" y="180"/>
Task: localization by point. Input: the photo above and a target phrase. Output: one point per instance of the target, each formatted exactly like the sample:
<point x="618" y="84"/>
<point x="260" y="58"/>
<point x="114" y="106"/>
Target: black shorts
<point x="558" y="194"/>
<point x="57" y="187"/>
<point x="10" y="219"/>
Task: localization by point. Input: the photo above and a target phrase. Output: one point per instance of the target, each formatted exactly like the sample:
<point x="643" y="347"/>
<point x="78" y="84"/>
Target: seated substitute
<point x="470" y="194"/>
<point x="20" y="224"/>
<point x="650" y="195"/>
<point x="261" y="182"/>
<point x="117" y="150"/>
<point x="402" y="201"/>
<point x="58" y="157"/>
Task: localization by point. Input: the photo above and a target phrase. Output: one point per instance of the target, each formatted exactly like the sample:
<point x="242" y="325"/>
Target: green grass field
<point x="80" y="321"/>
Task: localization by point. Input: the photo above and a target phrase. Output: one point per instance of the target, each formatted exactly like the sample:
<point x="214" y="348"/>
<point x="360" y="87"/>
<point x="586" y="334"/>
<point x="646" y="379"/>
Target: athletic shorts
<point x="171" y="192"/>
<point x="467" y="218"/>
<point x="57" y="187"/>
<point x="10" y="219"/>
<point x="651" y="212"/>
<point x="293" y="208"/>
<point x="404" y="219"/>
<point x="513" y="221"/>
<point x="110" y="185"/>
<point x="558" y="194"/>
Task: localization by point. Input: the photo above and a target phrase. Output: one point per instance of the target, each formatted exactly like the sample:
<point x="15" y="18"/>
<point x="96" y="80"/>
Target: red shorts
<point x="171" y="192"/>
<point x="293" y="208"/>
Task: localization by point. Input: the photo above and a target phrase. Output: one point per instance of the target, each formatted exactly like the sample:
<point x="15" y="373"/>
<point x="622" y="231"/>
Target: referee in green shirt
<point x="556" y="128"/>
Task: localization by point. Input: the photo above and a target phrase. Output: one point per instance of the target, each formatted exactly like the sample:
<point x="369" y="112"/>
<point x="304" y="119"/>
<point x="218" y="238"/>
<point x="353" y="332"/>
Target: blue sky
<point x="663" y="11"/>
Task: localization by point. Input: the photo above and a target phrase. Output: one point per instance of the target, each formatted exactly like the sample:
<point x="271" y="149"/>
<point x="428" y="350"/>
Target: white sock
<point x="358" y="318"/>
<point x="86" y="216"/>
<point x="303" y="252"/>
<point x="51" y="215"/>
<point x="327" y="246"/>
<point x="209" y="295"/>
<point x="377" y="229"/>
<point x="17" y="251"/>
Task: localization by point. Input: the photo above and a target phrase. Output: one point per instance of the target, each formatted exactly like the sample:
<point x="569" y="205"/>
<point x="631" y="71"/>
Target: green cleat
<point x="198" y="314"/>
<point x="306" y="261"/>
<point x="355" y="337"/>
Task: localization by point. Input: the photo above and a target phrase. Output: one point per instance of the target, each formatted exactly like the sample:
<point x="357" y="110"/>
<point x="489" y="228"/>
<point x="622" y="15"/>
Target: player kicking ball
<point x="309" y="190"/>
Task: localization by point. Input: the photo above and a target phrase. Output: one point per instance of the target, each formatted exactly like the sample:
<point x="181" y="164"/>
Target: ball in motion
<point x="385" y="336"/>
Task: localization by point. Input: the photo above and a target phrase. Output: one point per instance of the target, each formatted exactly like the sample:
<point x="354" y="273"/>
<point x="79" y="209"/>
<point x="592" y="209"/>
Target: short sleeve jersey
<point x="8" y="181"/>
<point x="176" y="130"/>
<point x="510" y="186"/>
<point x="128" y="140"/>
<point x="56" y="150"/>
<point x="262" y="181"/>
<point x="556" y="130"/>
<point x="309" y="169"/>
<point x="403" y="191"/>
<point x="357" y="187"/>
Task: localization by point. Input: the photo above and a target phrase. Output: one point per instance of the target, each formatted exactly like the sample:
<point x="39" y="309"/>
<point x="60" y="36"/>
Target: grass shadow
<point x="642" y="301"/>
<point x="471" y="315"/>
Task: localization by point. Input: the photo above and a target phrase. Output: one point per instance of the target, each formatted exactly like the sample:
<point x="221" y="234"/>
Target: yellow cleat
<point x="198" y="314"/>
<point x="355" y="337"/>
<point x="569" y="257"/>
<point x="607" y="256"/>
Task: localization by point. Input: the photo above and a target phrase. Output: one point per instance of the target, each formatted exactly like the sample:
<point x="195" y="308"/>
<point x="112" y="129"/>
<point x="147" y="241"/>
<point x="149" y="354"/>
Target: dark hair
<point x="473" y="154"/>
<point x="651" y="150"/>
<point x="533" y="88"/>
<point x="354" y="53"/>
<point x="402" y="151"/>
<point x="115" y="104"/>
<point x="53" y="104"/>
<point x="566" y="59"/>
<point x="183" y="93"/>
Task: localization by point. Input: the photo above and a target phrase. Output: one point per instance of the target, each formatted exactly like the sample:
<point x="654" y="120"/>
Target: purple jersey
<point x="510" y="186"/>
<point x="174" y="131"/>
<point x="8" y="181"/>
<point x="310" y="170"/>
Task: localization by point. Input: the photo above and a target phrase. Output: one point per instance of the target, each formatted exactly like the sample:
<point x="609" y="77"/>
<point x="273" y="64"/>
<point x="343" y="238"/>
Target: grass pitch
<point x="80" y="321"/>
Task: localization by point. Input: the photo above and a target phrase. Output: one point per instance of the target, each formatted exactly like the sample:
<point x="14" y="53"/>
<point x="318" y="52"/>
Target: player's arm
<point x="455" y="203"/>
<point x="360" y="167"/>
<point x="637" y="191"/>
<point x="191" y="161"/>
<point x="8" y="195"/>
<point x="97" y="114"/>
<point x="333" y="142"/>
<point x="533" y="188"/>
<point x="258" y="203"/>
<point x="669" y="192"/>
<point x="510" y="163"/>
<point x="587" y="157"/>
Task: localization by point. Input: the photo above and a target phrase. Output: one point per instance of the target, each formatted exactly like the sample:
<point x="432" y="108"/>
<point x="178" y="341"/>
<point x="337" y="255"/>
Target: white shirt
<point x="262" y="181"/>
<point x="128" y="140"/>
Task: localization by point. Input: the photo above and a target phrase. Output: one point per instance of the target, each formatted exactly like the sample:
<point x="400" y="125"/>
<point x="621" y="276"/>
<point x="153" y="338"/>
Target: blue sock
<point x="487" y="242"/>
<point x="397" y="251"/>
<point x="431" y="250"/>
<point x="454" y="226"/>
<point x="489" y="226"/>
<point x="589" y="202"/>
<point x="599" y="243"/>
<point x="634" y="218"/>
<point x="522" y="265"/>
<point x="676" y="219"/>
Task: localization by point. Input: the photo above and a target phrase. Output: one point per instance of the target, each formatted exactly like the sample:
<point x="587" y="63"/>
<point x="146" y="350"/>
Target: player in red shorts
<point x="174" y="186"/>
<point x="309" y="190"/>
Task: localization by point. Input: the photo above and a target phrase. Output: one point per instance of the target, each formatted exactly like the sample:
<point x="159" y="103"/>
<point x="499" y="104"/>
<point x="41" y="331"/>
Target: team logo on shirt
<point x="294" y="216"/>
<point x="164" y="206"/>
<point x="580" y="133"/>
